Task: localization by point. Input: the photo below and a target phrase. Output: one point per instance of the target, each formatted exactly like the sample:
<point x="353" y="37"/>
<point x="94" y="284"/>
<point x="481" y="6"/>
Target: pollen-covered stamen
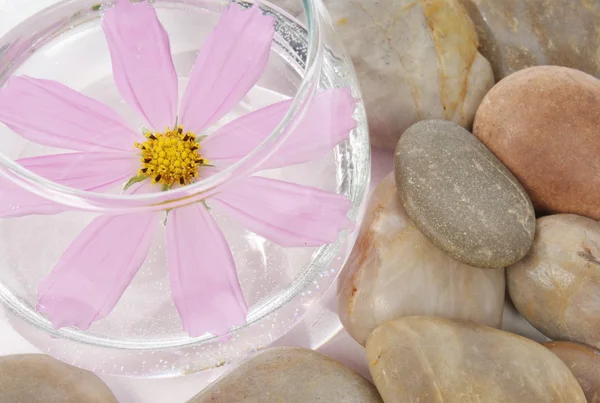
<point x="171" y="157"/>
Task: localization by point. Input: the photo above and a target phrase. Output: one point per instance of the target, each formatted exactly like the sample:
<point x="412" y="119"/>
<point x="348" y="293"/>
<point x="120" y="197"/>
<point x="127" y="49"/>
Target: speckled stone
<point x="515" y="34"/>
<point x="414" y="59"/>
<point x="461" y="196"/>
<point x="395" y="271"/>
<point x="543" y="123"/>
<point x="584" y="363"/>
<point x="436" y="360"/>
<point x="36" y="378"/>
<point x="557" y="286"/>
<point x="290" y="375"/>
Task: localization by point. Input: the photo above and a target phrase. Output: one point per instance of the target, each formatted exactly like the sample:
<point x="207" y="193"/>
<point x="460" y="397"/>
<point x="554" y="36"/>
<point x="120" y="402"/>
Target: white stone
<point x="395" y="271"/>
<point x="415" y="59"/>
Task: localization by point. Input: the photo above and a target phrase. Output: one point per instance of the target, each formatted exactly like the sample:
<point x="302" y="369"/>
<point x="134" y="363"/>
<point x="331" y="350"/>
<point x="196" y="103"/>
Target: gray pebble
<point x="461" y="196"/>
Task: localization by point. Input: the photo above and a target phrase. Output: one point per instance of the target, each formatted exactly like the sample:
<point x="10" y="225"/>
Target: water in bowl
<point x="67" y="44"/>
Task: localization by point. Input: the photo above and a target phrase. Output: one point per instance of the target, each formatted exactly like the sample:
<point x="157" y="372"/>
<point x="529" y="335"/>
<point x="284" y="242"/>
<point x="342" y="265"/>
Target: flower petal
<point x="95" y="270"/>
<point x="327" y="122"/>
<point x="49" y="113"/>
<point x="142" y="64"/>
<point x="84" y="171"/>
<point x="203" y="276"/>
<point x="230" y="62"/>
<point x="286" y="213"/>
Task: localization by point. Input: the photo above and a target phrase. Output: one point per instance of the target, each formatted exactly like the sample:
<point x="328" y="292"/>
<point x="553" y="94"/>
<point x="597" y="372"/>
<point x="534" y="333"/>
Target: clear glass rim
<point x="102" y="203"/>
<point x="121" y="203"/>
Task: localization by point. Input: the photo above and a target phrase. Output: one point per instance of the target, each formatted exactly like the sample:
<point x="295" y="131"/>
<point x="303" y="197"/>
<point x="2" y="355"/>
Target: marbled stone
<point x="557" y="286"/>
<point x="461" y="196"/>
<point x="36" y="378"/>
<point x="516" y="34"/>
<point x="415" y="59"/>
<point x="430" y="359"/>
<point x="584" y="363"/>
<point x="395" y="271"/>
<point x="290" y="375"/>
<point x="543" y="123"/>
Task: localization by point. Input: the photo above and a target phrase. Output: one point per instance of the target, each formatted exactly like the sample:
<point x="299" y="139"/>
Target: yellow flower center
<point x="171" y="157"/>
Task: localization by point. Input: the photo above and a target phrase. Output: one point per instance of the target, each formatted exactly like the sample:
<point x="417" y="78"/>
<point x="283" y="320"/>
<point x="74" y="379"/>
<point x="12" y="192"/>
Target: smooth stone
<point x="395" y="271"/>
<point x="290" y="375"/>
<point x="584" y="363"/>
<point x="543" y="123"/>
<point x="431" y="360"/>
<point x="414" y="59"/>
<point x="37" y="378"/>
<point x="461" y="196"/>
<point x="516" y="34"/>
<point x="293" y="8"/>
<point x="557" y="286"/>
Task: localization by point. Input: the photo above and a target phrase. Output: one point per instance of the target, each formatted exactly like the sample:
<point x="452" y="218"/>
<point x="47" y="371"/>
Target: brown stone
<point x="556" y="287"/>
<point x="516" y="34"/>
<point x="36" y="378"/>
<point x="584" y="363"/>
<point x="543" y="123"/>
<point x="436" y="360"/>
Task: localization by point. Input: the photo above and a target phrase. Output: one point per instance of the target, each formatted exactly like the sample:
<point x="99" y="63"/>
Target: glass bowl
<point x="143" y="335"/>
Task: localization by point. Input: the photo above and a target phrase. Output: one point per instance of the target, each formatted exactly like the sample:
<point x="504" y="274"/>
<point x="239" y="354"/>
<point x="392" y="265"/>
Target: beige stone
<point x="36" y="378"/>
<point x="516" y="34"/>
<point x="429" y="360"/>
<point x="543" y="123"/>
<point x="395" y="271"/>
<point x="584" y="363"/>
<point x="289" y="375"/>
<point x="415" y="59"/>
<point x="556" y="287"/>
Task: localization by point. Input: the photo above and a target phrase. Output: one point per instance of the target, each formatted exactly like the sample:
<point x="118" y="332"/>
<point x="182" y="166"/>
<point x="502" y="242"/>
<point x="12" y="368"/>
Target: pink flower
<point x="97" y="267"/>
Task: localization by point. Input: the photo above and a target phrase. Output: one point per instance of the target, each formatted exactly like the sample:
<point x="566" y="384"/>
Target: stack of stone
<point x="507" y="198"/>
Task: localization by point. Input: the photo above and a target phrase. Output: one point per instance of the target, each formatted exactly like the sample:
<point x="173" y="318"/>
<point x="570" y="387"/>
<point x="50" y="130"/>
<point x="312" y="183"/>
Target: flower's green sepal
<point x="134" y="180"/>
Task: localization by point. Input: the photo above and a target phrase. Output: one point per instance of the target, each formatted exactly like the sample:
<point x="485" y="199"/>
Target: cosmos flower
<point x="98" y="266"/>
